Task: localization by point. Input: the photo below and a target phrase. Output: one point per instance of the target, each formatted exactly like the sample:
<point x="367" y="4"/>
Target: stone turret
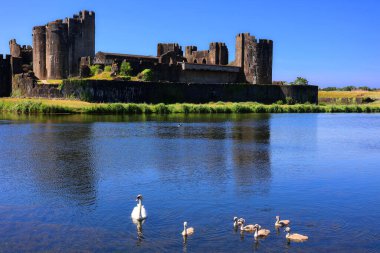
<point x="57" y="42"/>
<point x="39" y="52"/>
<point x="218" y="53"/>
<point x="255" y="58"/>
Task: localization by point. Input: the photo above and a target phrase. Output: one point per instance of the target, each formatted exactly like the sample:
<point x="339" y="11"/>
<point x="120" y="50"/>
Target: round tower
<point x="39" y="52"/>
<point x="57" y="55"/>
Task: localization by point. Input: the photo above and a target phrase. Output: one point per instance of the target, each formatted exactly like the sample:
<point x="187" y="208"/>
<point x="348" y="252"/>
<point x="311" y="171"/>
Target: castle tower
<point x="189" y="53"/>
<point x="255" y="58"/>
<point x="76" y="44"/>
<point x="59" y="46"/>
<point x="57" y="60"/>
<point x="14" y="48"/>
<point x="39" y="52"/>
<point x="87" y="19"/>
<point x="218" y="53"/>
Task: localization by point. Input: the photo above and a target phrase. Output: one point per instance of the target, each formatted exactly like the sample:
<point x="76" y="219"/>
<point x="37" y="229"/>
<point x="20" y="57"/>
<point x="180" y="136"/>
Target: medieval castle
<point x="62" y="46"/>
<point x="64" y="49"/>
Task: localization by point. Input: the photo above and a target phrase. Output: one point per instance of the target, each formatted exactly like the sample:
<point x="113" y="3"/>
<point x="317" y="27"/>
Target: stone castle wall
<point x="155" y="92"/>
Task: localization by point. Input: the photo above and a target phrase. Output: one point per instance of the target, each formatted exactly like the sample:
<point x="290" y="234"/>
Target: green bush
<point x="290" y="101"/>
<point x="146" y="75"/>
<point x="125" y="68"/>
<point x="107" y="69"/>
<point x="95" y="69"/>
<point x="280" y="102"/>
<point x="300" y="81"/>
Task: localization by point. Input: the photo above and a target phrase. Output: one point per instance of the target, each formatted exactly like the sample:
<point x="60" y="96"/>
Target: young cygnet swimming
<point x="248" y="228"/>
<point x="260" y="233"/>
<point x="281" y="223"/>
<point x="139" y="213"/>
<point x="187" y="231"/>
<point x="238" y="222"/>
<point x="295" y="237"/>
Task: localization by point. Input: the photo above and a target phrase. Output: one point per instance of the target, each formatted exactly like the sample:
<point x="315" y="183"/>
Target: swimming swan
<point x="280" y="223"/>
<point x="187" y="231"/>
<point x="238" y="222"/>
<point x="295" y="237"/>
<point x="260" y="232"/>
<point x="139" y="213"/>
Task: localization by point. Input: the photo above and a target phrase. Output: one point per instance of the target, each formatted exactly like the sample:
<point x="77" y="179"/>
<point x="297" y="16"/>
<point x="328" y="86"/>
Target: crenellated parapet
<point x="217" y="54"/>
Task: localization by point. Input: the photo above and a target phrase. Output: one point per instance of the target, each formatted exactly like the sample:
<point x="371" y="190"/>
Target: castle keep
<point x="59" y="46"/>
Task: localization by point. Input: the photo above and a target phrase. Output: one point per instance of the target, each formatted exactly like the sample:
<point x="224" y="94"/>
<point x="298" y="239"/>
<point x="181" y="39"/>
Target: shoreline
<point x="47" y="106"/>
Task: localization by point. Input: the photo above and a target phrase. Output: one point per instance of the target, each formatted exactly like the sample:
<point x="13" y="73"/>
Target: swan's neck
<point x="256" y="233"/>
<point x="184" y="229"/>
<point x="140" y="207"/>
<point x="287" y="235"/>
<point x="235" y="223"/>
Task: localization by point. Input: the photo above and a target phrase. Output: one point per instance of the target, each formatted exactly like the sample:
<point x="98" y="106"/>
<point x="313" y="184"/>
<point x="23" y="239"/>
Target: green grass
<point x="45" y="106"/>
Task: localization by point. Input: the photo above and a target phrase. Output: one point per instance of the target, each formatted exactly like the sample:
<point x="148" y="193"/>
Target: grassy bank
<point x="45" y="106"/>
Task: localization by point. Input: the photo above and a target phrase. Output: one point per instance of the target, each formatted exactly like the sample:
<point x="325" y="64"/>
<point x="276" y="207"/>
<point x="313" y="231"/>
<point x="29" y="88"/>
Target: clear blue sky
<point x="330" y="42"/>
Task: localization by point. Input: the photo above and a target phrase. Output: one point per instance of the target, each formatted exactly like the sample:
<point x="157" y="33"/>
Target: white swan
<point x="295" y="237"/>
<point x="139" y="213"/>
<point x="238" y="222"/>
<point x="280" y="223"/>
<point x="187" y="231"/>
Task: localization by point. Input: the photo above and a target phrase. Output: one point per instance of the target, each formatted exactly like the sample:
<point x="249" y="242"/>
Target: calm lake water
<point x="69" y="183"/>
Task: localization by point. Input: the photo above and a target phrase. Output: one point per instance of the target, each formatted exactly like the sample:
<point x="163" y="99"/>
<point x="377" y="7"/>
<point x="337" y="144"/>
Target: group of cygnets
<point x="262" y="233"/>
<point x="139" y="214"/>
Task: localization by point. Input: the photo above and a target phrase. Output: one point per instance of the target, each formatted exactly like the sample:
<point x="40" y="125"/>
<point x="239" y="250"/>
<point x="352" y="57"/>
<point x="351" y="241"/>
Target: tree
<point x="125" y="68"/>
<point x="300" y="81"/>
<point x="146" y="75"/>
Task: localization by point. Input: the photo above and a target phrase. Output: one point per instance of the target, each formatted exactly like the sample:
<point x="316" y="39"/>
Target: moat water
<point x="68" y="183"/>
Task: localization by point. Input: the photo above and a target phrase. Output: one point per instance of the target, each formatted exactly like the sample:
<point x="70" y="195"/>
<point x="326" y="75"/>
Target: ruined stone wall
<point x="155" y="92"/>
<point x="26" y="86"/>
<point x="25" y="52"/>
<point x="216" y="55"/>
<point x="255" y="58"/>
<point x="163" y="48"/>
<point x="5" y="76"/>
<point x="194" y="76"/>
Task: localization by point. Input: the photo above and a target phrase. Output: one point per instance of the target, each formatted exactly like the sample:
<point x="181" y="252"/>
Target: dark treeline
<point x="349" y="88"/>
